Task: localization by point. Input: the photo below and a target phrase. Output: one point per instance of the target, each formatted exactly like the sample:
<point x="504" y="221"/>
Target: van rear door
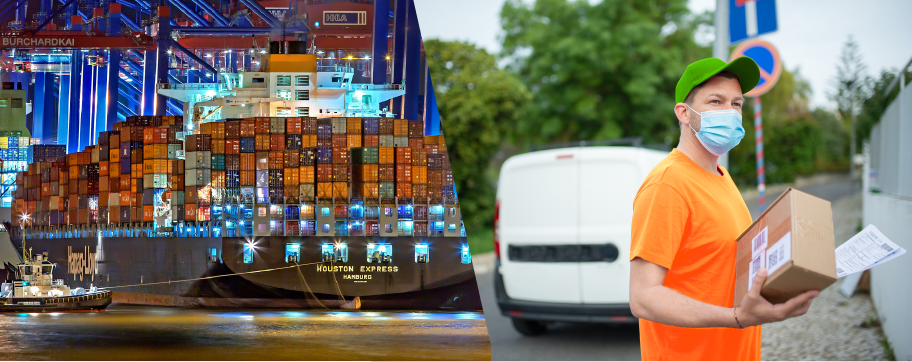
<point x="609" y="180"/>
<point x="538" y="215"/>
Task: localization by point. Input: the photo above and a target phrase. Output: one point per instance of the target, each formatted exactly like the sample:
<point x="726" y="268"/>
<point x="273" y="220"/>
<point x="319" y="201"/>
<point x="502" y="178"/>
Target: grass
<point x="889" y="355"/>
<point x="480" y="240"/>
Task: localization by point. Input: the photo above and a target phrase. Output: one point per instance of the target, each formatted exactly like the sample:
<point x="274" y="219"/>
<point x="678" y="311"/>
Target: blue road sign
<point x="749" y="18"/>
<point x="767" y="58"/>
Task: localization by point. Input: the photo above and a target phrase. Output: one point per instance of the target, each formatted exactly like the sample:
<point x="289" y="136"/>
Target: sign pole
<point x="720" y="47"/>
<point x="758" y="139"/>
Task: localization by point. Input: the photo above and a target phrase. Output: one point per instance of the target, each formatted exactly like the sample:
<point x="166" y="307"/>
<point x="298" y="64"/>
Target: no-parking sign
<point x="767" y="58"/>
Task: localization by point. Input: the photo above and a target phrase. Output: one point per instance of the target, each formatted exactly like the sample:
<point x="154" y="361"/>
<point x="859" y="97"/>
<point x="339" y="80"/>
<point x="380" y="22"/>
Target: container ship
<point x="287" y="187"/>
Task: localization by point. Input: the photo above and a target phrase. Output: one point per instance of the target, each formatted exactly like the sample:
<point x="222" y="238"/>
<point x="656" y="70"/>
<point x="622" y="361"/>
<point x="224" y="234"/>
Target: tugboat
<point x="30" y="287"/>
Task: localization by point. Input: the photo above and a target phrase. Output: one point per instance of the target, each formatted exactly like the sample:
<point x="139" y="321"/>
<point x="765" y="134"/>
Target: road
<point x="569" y="341"/>
<point x="831" y="191"/>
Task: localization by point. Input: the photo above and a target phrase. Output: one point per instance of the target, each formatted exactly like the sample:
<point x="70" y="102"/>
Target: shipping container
<point x="387" y="141"/>
<point x="341" y="173"/>
<point x="307" y="174"/>
<point x="387" y="190"/>
<point x="400" y="141"/>
<point x="387" y="126"/>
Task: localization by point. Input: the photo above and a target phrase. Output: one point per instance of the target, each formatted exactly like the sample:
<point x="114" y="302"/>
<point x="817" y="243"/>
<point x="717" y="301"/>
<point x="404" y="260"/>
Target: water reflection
<point x="131" y="332"/>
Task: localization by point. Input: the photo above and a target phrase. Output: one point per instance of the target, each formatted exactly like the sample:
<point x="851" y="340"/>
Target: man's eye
<point x="737" y="104"/>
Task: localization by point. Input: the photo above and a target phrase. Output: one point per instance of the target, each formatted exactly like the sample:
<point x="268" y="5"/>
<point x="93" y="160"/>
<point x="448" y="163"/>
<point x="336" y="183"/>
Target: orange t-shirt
<point x="688" y="220"/>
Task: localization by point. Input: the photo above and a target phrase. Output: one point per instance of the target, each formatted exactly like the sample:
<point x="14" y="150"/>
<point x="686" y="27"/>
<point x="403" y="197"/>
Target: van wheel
<point x="529" y="327"/>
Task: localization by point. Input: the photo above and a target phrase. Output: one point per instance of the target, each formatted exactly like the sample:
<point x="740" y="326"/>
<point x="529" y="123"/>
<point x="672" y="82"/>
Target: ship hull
<point x="91" y="302"/>
<point x="213" y="272"/>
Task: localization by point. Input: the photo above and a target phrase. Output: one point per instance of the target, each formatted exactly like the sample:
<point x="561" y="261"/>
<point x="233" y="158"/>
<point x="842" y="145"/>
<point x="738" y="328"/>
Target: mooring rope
<point x="215" y="276"/>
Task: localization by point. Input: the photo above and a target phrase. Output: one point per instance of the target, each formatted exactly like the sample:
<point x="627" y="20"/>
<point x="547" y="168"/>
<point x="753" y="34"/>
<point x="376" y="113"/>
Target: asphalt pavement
<point x="832" y="191"/>
<point x="582" y="341"/>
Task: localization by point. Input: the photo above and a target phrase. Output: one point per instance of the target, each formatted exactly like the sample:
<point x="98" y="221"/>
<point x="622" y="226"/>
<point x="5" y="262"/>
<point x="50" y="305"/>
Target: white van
<point x="562" y="234"/>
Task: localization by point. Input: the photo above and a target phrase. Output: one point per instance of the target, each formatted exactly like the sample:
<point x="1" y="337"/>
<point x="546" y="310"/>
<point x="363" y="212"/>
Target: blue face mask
<point x="720" y="131"/>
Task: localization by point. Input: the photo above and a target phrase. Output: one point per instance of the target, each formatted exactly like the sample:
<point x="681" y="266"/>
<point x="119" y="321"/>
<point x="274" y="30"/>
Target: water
<point x="158" y="333"/>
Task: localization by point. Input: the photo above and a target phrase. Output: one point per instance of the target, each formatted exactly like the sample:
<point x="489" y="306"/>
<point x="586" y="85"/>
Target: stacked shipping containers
<point x="257" y="176"/>
<point x="14" y="153"/>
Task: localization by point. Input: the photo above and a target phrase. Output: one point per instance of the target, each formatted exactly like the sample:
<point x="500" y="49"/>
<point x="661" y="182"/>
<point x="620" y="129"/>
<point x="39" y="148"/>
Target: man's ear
<point x="681" y="112"/>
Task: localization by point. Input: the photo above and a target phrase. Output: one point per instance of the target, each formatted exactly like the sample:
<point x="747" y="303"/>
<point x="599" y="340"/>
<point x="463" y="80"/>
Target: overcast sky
<point x="810" y="37"/>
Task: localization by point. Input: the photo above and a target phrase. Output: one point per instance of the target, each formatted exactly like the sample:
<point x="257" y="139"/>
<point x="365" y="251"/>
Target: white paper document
<point x="864" y="251"/>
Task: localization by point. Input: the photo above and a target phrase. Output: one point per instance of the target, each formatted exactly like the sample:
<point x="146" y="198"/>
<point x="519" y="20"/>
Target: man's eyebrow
<point x="719" y="95"/>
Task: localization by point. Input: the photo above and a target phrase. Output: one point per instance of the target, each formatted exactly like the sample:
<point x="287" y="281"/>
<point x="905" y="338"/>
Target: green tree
<point x="850" y="89"/>
<point x="478" y="104"/>
<point x="797" y="141"/>
<point x="600" y="71"/>
<point x="876" y="101"/>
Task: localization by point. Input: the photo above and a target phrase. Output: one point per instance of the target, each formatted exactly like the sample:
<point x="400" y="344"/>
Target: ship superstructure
<point x="287" y="85"/>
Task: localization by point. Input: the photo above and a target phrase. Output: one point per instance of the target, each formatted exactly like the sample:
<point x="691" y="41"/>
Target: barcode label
<point x="755" y="266"/>
<point x="886" y="248"/>
<point x="779" y="254"/>
<point x="759" y="242"/>
<point x="774" y="258"/>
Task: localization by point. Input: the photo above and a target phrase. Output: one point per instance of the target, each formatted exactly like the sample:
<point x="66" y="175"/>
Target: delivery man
<point x="687" y="217"/>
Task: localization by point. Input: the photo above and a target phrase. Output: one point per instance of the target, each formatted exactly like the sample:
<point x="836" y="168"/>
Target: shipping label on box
<point x="794" y="240"/>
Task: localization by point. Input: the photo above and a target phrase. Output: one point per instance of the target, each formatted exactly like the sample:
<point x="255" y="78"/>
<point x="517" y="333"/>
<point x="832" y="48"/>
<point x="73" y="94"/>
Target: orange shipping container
<point x="371" y="140"/>
<point x="306" y="175"/>
<point x="124" y="184"/>
<point x="232" y="146"/>
<point x="340" y="190"/>
<point x="114" y="155"/>
<point x="292" y="177"/>
<point x="218" y="179"/>
<point x="324" y="172"/>
<point x="293" y="125"/>
<point x="277" y="142"/>
<point x="404" y="155"/>
<point x="218" y="146"/>
<point x="262" y="125"/>
<point x="324" y="189"/>
<point x="403" y="190"/>
<point x="400" y="127"/>
<point x="190" y="212"/>
<point x="419" y="157"/>
<point x="248" y="128"/>
<point x="309" y="140"/>
<point x="387" y="155"/>
<point x="248" y="161"/>
<point x="218" y="130"/>
<point x="403" y="173"/>
<point x="353" y="126"/>
<point x="432" y="149"/>
<point x="126" y="198"/>
<point x="419" y="175"/>
<point x="103" y="168"/>
<point x="416" y="143"/>
<point x="248" y="178"/>
<point x="262" y="142"/>
<point x="354" y="141"/>
<point x="148" y="136"/>
<point x="147" y="213"/>
<point x="370" y="190"/>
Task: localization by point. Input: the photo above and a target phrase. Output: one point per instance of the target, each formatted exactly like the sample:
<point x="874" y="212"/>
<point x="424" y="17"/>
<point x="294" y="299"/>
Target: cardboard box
<point x="794" y="240"/>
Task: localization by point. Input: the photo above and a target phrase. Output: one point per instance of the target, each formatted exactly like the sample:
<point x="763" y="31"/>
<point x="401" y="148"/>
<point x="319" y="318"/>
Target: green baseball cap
<point x="700" y="71"/>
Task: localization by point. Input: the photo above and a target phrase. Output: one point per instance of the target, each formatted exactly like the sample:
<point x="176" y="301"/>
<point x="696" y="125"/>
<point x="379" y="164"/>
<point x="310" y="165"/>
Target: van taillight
<point x="497" y="229"/>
